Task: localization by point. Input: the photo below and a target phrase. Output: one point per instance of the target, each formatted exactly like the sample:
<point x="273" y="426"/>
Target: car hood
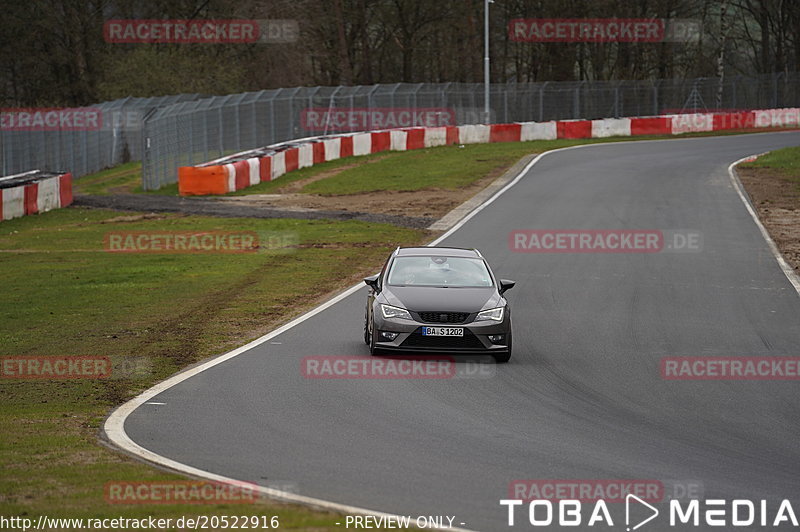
<point x="427" y="299"/>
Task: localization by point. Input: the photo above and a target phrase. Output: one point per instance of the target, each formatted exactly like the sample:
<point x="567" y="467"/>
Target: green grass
<point x="446" y="167"/>
<point x="785" y="162"/>
<point x="442" y="167"/>
<point x="271" y="187"/>
<point x="125" y="177"/>
<point x="122" y="179"/>
<point x="166" y="190"/>
<point x="64" y="295"/>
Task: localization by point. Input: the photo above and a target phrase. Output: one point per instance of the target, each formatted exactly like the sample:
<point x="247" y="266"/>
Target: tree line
<point x="53" y="52"/>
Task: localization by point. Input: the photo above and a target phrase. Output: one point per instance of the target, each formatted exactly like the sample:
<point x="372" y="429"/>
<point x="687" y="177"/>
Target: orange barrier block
<point x="202" y="180"/>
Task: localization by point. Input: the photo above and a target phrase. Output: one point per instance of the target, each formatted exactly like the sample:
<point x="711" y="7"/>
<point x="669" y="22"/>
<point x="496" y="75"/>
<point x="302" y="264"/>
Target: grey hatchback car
<point x="438" y="299"/>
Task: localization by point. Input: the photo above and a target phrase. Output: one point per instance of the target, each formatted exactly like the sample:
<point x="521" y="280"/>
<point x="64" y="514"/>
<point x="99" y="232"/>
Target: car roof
<point x="438" y="251"/>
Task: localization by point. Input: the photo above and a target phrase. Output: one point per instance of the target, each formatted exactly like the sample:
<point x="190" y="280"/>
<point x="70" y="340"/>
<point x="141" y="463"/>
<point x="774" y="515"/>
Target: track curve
<point x="582" y="397"/>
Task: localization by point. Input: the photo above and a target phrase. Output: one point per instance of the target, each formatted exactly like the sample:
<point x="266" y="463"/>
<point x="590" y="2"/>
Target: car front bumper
<point x="475" y="339"/>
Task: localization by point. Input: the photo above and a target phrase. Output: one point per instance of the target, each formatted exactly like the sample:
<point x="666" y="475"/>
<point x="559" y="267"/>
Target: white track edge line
<point x="737" y="184"/>
<point x="114" y="426"/>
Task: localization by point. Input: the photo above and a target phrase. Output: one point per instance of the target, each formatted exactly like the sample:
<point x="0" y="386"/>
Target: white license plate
<point x="442" y="331"/>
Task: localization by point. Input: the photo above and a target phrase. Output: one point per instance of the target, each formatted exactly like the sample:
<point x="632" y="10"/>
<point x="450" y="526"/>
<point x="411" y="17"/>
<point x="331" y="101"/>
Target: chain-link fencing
<point x="199" y="131"/>
<point x="174" y="131"/>
<point x="80" y="141"/>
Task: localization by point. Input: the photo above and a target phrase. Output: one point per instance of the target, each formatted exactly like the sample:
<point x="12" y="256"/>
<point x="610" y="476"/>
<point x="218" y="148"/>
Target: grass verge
<point x="784" y="162"/>
<point x="773" y="183"/>
<point x="442" y="167"/>
<point x="64" y="295"/>
<point x="125" y="178"/>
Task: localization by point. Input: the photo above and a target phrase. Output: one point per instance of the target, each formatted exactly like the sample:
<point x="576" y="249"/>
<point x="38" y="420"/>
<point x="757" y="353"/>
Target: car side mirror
<point x="506" y="284"/>
<point x="372" y="282"/>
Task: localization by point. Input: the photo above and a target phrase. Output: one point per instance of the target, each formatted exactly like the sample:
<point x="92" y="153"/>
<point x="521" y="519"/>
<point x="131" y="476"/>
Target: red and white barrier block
<point x="248" y="168"/>
<point x="34" y="192"/>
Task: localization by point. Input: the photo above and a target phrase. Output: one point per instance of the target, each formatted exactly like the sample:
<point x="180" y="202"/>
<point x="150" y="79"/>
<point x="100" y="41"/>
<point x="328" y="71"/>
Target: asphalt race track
<point x="582" y="397"/>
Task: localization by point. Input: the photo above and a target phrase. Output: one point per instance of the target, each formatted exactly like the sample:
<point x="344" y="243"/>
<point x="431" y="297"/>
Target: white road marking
<point x="114" y="427"/>
<point x="737" y="184"/>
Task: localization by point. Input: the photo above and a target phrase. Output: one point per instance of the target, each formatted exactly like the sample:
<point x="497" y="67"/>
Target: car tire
<point x="502" y="358"/>
<point x="372" y="349"/>
<point x="366" y="330"/>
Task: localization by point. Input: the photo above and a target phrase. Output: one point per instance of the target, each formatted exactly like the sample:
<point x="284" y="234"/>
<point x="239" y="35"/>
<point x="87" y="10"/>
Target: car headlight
<point x="389" y="311"/>
<point x="494" y="314"/>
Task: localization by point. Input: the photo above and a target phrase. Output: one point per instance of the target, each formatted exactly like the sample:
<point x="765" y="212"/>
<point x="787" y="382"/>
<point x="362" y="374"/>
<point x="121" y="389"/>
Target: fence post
<point x="146" y="170"/>
<point x="5" y="155"/>
<point x="85" y="150"/>
<point x="219" y="133"/>
<point x="238" y="126"/>
<point x="254" y="112"/>
<point x="655" y="98"/>
<point x="330" y="108"/>
<point x="295" y="127"/>
<point x="576" y="109"/>
<point x="419" y="86"/>
<point x="443" y="94"/>
<point x="205" y="134"/>
<point x="541" y="101"/>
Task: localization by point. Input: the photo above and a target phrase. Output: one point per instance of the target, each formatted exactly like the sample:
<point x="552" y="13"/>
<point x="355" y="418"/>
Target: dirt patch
<point x="133" y="218"/>
<point x="777" y="201"/>
<point x="129" y="188"/>
<point x="428" y="203"/>
<point x="241" y="207"/>
<point x="296" y="186"/>
<point x="416" y="209"/>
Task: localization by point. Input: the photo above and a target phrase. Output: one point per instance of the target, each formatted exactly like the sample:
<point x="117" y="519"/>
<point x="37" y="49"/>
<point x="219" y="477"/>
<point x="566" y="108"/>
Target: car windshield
<point x="452" y="272"/>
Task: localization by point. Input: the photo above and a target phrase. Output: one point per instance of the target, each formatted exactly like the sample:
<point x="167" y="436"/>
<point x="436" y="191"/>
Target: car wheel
<point x="502" y="358"/>
<point x="371" y="332"/>
<point x="366" y="330"/>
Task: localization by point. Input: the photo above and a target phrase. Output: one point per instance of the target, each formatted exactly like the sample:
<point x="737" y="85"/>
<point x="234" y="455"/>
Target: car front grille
<point x="443" y="317"/>
<point x="469" y="340"/>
